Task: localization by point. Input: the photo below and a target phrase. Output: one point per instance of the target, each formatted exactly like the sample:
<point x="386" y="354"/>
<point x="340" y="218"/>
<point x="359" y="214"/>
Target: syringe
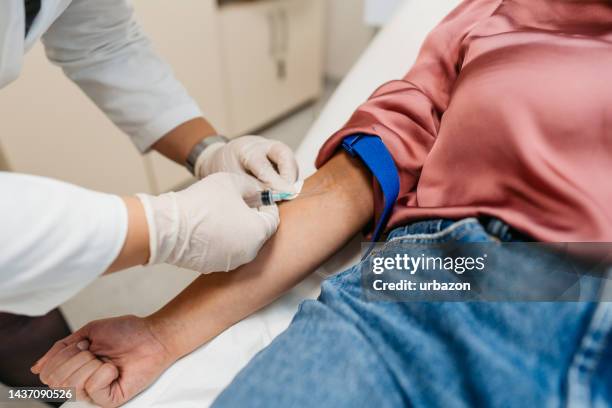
<point x="267" y="197"/>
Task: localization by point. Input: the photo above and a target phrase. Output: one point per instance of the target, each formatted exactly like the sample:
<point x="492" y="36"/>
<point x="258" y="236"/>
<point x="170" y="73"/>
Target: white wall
<point x="379" y="12"/>
<point x="347" y="35"/>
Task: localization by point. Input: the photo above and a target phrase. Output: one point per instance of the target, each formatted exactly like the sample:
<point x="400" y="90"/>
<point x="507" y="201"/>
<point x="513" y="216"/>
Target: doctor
<point x="55" y="238"/>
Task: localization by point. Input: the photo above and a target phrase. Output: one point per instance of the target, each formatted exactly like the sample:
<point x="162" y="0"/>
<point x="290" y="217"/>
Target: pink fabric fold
<point x="507" y="112"/>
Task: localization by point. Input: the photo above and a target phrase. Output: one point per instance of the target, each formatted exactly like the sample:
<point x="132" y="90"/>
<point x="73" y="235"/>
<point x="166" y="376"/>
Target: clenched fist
<point x="108" y="361"/>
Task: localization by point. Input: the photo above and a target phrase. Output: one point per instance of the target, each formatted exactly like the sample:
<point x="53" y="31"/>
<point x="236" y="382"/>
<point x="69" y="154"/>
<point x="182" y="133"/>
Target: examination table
<point x="197" y="379"/>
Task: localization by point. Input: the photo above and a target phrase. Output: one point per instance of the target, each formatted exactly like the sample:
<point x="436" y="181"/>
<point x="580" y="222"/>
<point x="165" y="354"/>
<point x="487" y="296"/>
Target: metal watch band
<point x="199" y="148"/>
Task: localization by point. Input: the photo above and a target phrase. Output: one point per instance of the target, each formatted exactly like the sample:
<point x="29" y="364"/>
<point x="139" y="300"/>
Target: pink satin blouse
<point x="507" y="112"/>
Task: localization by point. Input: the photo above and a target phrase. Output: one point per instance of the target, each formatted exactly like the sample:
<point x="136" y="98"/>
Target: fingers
<point x="57" y="347"/>
<point x="260" y="158"/>
<point x="65" y="363"/>
<point x="285" y="161"/>
<point x="271" y="219"/>
<point x="248" y="185"/>
<point x="99" y="386"/>
<point x="75" y="366"/>
<point x="267" y="215"/>
<point x="263" y="169"/>
<point x="245" y="184"/>
<point x="79" y="378"/>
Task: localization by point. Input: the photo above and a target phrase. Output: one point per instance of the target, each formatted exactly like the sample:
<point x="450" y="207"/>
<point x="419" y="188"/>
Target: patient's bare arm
<point x="337" y="202"/>
<point x="110" y="361"/>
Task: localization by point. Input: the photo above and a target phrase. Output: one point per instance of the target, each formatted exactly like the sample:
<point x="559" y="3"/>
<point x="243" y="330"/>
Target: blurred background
<point x="254" y="66"/>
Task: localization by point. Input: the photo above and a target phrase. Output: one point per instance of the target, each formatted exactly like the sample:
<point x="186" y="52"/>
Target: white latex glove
<point x="252" y="155"/>
<point x="208" y="227"/>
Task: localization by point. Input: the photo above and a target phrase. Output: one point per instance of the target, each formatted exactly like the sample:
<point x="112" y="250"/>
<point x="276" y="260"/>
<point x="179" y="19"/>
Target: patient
<point x="501" y="132"/>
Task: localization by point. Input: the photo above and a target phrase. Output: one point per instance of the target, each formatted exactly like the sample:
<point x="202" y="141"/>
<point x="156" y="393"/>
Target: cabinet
<point x="273" y="56"/>
<point x="246" y="63"/>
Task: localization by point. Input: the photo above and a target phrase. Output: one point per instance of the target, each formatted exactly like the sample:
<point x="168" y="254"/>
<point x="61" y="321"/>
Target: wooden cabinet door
<point x="272" y="52"/>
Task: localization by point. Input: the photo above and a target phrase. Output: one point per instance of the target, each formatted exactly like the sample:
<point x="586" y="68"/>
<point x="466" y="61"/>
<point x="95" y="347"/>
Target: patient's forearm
<point x="336" y="203"/>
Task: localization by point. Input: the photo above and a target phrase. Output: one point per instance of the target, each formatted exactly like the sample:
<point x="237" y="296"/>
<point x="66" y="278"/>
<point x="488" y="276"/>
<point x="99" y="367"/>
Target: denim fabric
<point x="341" y="351"/>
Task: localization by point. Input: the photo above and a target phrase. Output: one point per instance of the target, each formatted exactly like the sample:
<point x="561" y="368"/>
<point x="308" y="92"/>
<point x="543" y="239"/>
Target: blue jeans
<point x="341" y="351"/>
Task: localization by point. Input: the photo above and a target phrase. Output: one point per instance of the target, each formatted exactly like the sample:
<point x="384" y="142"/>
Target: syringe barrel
<point x="260" y="199"/>
<point x="267" y="197"/>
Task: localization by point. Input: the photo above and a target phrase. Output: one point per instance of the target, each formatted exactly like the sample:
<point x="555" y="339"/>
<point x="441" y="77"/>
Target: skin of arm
<point x="110" y="361"/>
<point x="337" y="202"/>
<point x="178" y="143"/>
<point x="135" y="249"/>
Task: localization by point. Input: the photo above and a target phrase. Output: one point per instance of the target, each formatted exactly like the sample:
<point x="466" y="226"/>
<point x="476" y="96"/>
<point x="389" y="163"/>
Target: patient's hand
<point x="129" y="359"/>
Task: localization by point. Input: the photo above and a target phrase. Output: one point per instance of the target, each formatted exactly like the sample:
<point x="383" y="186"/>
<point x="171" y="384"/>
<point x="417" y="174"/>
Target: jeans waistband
<point x="490" y="226"/>
<point x="503" y="231"/>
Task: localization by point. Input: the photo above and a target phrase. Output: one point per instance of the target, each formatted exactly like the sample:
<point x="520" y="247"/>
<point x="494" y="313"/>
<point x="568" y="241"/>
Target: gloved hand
<point x="252" y="155"/>
<point x="208" y="227"/>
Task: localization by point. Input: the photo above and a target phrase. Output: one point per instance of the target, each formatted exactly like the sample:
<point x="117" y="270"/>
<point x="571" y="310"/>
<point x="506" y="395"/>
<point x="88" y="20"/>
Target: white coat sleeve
<point x="101" y="47"/>
<point x="55" y="238"/>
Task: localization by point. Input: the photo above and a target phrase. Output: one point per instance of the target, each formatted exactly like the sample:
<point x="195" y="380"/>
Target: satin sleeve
<point x="406" y="113"/>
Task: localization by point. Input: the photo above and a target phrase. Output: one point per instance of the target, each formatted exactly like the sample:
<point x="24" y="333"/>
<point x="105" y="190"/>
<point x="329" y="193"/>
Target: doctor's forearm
<point x="336" y="204"/>
<point x="135" y="250"/>
<point x="177" y="144"/>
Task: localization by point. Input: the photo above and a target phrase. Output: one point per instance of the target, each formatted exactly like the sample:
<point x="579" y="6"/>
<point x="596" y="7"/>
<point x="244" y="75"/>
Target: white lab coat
<point x="56" y="238"/>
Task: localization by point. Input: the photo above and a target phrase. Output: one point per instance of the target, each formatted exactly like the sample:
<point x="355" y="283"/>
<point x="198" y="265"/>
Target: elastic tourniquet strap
<point x="375" y="155"/>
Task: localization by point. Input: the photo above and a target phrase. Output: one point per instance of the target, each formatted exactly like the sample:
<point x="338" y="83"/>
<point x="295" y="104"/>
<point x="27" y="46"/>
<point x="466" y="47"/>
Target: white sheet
<point x="197" y="379"/>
